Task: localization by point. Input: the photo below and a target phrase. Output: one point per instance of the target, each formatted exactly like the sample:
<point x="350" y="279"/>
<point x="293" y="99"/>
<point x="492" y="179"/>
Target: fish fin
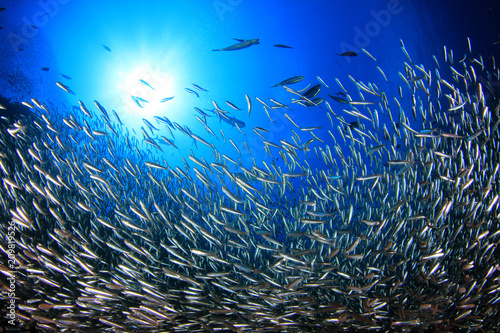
<point x="239" y="40"/>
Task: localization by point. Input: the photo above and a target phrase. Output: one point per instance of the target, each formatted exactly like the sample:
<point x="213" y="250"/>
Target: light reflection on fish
<point x="166" y="99"/>
<point x="144" y="83"/>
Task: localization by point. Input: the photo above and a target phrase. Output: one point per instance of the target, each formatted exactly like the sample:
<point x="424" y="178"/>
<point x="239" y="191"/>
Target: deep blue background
<point x="169" y="44"/>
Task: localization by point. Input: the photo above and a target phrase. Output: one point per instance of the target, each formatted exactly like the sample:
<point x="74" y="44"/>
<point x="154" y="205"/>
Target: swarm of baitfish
<point x="397" y="232"/>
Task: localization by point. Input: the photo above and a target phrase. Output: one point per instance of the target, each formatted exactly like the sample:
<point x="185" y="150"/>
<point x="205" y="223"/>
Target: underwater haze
<point x="237" y="165"/>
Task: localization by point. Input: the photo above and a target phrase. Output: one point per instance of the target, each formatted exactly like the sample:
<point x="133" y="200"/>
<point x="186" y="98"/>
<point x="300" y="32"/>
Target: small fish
<point x="249" y="103"/>
<point x="313" y="102"/>
<point x="65" y="88"/>
<point x="2" y="9"/>
<point x="241" y="45"/>
<point x="232" y="120"/>
<point x="352" y="125"/>
<point x="232" y="106"/>
<point x="136" y="102"/>
<point x="283" y="46"/>
<point x="267" y="234"/>
<point x="312" y="92"/>
<point x="116" y="116"/>
<point x="347" y="54"/>
<point x="163" y="120"/>
<point x="84" y="109"/>
<point x="200" y="111"/>
<point x="101" y="108"/>
<point x="166" y="99"/>
<point x="169" y="142"/>
<point x="139" y="100"/>
<point x="146" y="84"/>
<point x="148" y="124"/>
<point x="369" y="54"/>
<point x="198" y="87"/>
<point x="201" y="140"/>
<point x="46" y="69"/>
<point x="339" y="99"/>
<point x="322" y="82"/>
<point x="65" y="76"/>
<point x="169" y="123"/>
<point x="361" y="103"/>
<point x="106" y="48"/>
<point x="289" y="81"/>
<point x="191" y="91"/>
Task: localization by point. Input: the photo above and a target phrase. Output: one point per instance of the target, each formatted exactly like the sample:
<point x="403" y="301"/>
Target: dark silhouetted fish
<point x="241" y="45"/>
<point x="198" y="87"/>
<point x="347" y="54"/>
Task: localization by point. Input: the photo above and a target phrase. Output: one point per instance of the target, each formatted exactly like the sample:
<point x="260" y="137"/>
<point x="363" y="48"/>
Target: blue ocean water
<point x="150" y="59"/>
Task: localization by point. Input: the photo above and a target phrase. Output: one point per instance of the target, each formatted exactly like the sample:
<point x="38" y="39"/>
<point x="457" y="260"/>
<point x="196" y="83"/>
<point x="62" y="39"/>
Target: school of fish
<point x="398" y="232"/>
